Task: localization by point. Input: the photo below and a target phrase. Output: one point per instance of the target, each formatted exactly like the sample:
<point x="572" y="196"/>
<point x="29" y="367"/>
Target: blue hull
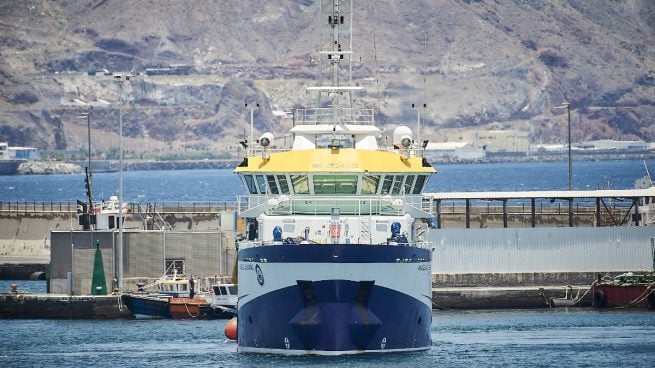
<point x="333" y="316"/>
<point x="146" y="306"/>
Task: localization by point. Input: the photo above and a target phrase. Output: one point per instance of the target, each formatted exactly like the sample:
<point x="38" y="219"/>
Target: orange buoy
<point x="231" y="329"/>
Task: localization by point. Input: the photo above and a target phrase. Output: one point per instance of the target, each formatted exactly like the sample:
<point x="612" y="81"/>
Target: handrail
<point x="133" y="207"/>
<point x="326" y="115"/>
<point x="315" y="205"/>
<point x="245" y="244"/>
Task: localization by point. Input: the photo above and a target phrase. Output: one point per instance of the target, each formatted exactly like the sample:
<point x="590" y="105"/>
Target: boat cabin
<point x="102" y="216"/>
<point x="225" y="294"/>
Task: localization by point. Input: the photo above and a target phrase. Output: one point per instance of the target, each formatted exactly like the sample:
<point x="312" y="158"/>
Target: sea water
<point x="222" y="186"/>
<point x="512" y="338"/>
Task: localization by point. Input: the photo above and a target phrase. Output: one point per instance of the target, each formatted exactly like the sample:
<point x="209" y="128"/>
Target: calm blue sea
<point x="223" y="185"/>
<point x="536" y="338"/>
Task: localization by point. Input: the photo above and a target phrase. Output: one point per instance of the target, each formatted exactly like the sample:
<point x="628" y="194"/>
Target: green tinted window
<point x="409" y="181"/>
<point x="370" y="184"/>
<point x="335" y="184"/>
<point x="397" y="184"/>
<point x="300" y="184"/>
<point x="386" y="185"/>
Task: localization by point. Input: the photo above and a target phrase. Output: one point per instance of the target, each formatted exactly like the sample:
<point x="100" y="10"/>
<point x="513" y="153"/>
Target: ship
<point x="625" y="290"/>
<point x="334" y="258"/>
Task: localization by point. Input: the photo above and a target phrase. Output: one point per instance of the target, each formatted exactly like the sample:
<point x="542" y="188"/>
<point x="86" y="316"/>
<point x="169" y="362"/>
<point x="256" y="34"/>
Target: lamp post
<point x="252" y="125"/>
<point x="567" y="106"/>
<point x="418" y="120"/>
<point x="87" y="116"/>
<point x="120" y="79"/>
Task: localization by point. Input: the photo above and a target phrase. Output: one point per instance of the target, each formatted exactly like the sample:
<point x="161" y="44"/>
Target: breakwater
<point x="49" y="306"/>
<point x="23" y="167"/>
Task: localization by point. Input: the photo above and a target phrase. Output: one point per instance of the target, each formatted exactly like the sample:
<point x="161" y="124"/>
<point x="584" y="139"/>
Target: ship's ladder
<point x="365" y="230"/>
<point x="152" y="219"/>
<point x="426" y="205"/>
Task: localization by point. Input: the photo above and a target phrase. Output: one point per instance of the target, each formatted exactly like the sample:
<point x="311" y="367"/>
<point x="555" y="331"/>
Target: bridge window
<point x="284" y="186"/>
<point x="250" y="183"/>
<point x="335" y="184"/>
<point x="272" y="185"/>
<point x="409" y="181"/>
<point x="261" y="183"/>
<point x="300" y="184"/>
<point x="418" y="186"/>
<point x="397" y="184"/>
<point x="370" y="184"/>
<point x="386" y="185"/>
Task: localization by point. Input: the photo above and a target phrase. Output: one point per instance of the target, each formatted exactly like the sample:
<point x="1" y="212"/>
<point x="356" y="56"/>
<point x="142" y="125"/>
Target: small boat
<point x="224" y="301"/>
<point x="176" y="298"/>
<point x="184" y="308"/>
<point x="625" y="291"/>
<point x="146" y="306"/>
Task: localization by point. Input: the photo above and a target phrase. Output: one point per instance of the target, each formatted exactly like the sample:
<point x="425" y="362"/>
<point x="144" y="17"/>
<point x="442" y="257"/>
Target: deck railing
<point x="324" y="205"/>
<point x="328" y="115"/>
<point x="245" y="244"/>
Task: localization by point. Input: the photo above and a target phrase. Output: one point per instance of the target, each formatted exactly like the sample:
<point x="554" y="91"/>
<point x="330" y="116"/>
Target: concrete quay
<point x="58" y="306"/>
<point x="534" y="297"/>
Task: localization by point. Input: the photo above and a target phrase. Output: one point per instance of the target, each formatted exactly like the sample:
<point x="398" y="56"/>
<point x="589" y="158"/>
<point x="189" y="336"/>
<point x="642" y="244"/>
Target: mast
<point x="335" y="50"/>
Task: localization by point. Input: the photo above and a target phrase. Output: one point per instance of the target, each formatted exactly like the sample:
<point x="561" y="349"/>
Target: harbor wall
<point x="25" y="231"/>
<point x="27" y="234"/>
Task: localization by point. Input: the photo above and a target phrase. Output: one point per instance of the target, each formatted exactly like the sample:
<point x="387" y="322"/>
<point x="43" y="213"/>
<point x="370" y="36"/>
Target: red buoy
<point x="231" y="329"/>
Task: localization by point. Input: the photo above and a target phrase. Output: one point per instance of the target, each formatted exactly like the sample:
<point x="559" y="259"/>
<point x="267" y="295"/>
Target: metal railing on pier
<point x="162" y="207"/>
<point x="38" y="207"/>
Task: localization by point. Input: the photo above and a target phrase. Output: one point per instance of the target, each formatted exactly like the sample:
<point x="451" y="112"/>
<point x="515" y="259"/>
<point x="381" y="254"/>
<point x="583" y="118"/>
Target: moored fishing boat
<point x="334" y="258"/>
<point x="176" y="298"/>
<point x="625" y="290"/>
<point x="174" y="288"/>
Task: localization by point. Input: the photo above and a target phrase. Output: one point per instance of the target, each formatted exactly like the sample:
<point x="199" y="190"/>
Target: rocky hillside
<point x="475" y="63"/>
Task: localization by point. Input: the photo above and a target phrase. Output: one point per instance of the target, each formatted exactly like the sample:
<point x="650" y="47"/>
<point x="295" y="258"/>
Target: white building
<point x="453" y="150"/>
<point x="17" y="153"/>
<point x="609" y="144"/>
